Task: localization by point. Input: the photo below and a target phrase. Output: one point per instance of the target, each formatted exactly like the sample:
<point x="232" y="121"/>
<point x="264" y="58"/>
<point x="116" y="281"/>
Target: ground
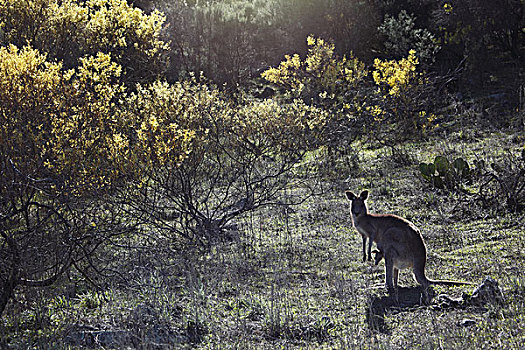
<point x="294" y="278"/>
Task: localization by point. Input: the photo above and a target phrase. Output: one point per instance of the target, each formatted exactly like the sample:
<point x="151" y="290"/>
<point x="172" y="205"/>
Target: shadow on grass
<point x="402" y="299"/>
<point x="407" y="298"/>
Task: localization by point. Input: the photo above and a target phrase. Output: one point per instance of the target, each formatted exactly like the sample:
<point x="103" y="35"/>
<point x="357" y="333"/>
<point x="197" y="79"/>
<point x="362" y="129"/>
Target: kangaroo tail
<point x="450" y="283"/>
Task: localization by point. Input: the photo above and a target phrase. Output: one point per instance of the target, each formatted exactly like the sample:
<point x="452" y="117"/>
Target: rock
<point x="444" y="301"/>
<point x="487" y="292"/>
<point x="467" y="322"/>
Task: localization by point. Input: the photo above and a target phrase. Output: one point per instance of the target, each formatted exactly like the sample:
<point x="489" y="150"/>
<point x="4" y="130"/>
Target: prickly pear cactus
<point x="445" y="174"/>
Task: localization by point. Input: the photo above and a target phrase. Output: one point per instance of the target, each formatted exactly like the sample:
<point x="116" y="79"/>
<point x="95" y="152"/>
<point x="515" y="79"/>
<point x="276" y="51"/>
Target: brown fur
<point x="399" y="242"/>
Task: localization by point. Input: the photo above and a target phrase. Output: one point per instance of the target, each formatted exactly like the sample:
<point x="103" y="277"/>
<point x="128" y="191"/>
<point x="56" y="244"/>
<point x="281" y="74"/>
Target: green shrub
<point x="402" y="36"/>
<point x="240" y="156"/>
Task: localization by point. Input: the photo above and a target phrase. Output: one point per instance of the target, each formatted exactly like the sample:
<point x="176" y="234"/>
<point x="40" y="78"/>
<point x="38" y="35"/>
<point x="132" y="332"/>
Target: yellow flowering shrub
<point x="88" y="130"/>
<point x="30" y="96"/>
<point x="281" y="128"/>
<point x="70" y="29"/>
<point x="321" y="71"/>
<point x="288" y="72"/>
<point x="392" y="103"/>
<point x="69" y="125"/>
<point x="64" y="143"/>
<point x="166" y="122"/>
<point x="325" y="80"/>
<point x="132" y="37"/>
<point x="185" y="120"/>
<point x="400" y="99"/>
<point x="395" y="77"/>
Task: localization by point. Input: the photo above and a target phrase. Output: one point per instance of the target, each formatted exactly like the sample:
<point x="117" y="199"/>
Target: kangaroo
<point x="365" y="234"/>
<point x="399" y="242"/>
<point x="378" y="256"/>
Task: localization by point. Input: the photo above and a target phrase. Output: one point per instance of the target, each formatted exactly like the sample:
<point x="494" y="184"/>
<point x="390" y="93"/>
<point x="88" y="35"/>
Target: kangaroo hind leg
<point x="420" y="277"/>
<point x="396" y="276"/>
<point x="389" y="272"/>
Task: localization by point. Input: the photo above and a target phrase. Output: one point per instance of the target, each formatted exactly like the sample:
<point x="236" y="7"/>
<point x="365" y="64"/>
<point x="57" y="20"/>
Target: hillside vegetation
<point x="173" y="172"/>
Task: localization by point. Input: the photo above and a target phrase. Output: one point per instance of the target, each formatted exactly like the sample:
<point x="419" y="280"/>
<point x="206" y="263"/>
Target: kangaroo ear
<point x="364" y="195"/>
<point x="350" y="195"/>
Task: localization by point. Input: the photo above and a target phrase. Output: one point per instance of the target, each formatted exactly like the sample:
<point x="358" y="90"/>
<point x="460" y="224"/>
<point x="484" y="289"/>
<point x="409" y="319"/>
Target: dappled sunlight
<point x="177" y="174"/>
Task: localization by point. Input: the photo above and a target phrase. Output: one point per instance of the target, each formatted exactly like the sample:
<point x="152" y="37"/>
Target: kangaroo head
<point x="358" y="203"/>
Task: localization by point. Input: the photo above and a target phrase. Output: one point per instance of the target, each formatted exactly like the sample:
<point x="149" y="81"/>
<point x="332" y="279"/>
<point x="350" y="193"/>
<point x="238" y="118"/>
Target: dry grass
<point x="294" y="278"/>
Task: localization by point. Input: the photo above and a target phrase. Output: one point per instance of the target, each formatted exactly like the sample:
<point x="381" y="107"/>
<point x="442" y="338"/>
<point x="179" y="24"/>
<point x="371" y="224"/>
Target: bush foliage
<point x="69" y="30"/>
<point x="124" y="128"/>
